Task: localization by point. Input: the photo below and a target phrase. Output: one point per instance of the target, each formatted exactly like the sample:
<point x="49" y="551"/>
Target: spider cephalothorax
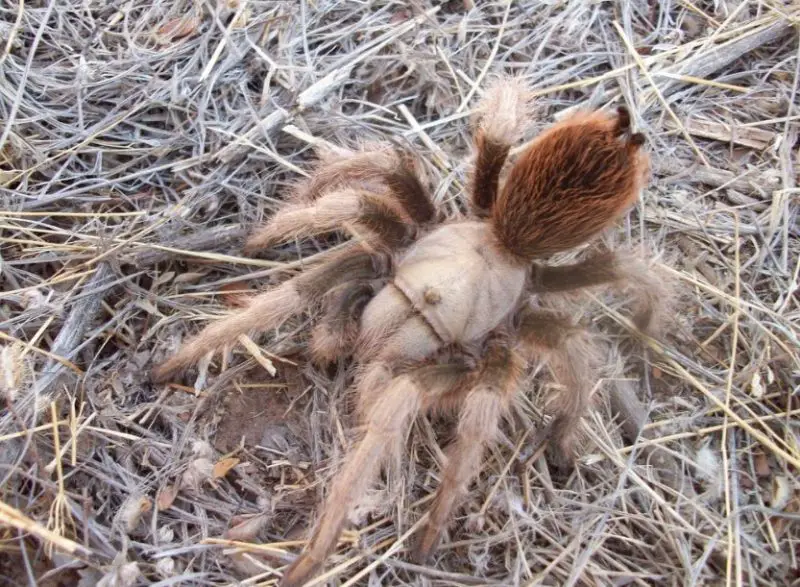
<point x="413" y="287"/>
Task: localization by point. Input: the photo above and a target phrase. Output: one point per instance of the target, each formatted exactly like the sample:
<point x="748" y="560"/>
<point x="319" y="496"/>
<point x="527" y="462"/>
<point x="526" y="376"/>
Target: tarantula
<point x="414" y="294"/>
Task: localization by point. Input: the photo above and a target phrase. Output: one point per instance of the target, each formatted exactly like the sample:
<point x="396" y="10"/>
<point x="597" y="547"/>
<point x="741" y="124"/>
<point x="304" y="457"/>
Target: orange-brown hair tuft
<point x="576" y="179"/>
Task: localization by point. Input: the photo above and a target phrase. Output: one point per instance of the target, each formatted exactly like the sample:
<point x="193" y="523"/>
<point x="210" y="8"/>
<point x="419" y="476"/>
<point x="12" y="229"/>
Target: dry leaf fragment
<point x="222" y="467"/>
<point x="202" y="449"/>
<point x="166" y="567"/>
<point x="166" y="497"/>
<point x="708" y="467"/>
<point x="248" y="528"/>
<point x="781" y="492"/>
<point x="121" y="574"/>
<point x="190" y="277"/>
<point x="247" y="564"/>
<point x="165" y="535"/>
<point x="147" y="306"/>
<point x="762" y="465"/>
<point x="780" y="523"/>
<point x="164" y="278"/>
<point x="177" y="28"/>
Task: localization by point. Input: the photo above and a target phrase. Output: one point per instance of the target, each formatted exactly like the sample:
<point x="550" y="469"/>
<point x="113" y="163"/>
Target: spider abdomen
<point x="459" y="281"/>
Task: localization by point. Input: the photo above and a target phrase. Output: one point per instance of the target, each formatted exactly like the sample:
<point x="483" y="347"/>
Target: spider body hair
<point x="502" y="115"/>
<point x="337" y="332"/>
<point x="439" y="316"/>
<point x="576" y="179"/>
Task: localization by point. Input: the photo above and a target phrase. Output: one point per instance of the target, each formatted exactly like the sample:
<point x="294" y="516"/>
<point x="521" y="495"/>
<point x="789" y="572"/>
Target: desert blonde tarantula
<point x="413" y="289"/>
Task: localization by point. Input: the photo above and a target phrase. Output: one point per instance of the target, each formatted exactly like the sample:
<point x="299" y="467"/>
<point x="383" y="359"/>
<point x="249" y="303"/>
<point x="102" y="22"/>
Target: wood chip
<point x="166" y="497"/>
<point x="256" y="353"/>
<point x="222" y="467"/>
<point x="746" y="136"/>
<point x="177" y="28"/>
<point x="247" y="529"/>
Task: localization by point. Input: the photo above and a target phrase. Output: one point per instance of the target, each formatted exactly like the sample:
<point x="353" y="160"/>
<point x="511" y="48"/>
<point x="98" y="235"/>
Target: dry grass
<point x="140" y="141"/>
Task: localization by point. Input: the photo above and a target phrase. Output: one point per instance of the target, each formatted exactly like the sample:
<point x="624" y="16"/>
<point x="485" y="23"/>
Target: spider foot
<point x="561" y="459"/>
<point x="167" y="370"/>
<point x="561" y="451"/>
<point x="426" y="543"/>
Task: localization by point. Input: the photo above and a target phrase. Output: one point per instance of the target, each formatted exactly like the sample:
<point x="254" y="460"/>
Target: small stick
<point x="82" y="314"/>
<point x="13" y="517"/>
<point x="702" y="65"/>
<point x="200" y="241"/>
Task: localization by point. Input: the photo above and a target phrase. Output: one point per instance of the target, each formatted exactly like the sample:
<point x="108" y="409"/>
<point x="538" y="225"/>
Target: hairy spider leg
<point x="503" y="118"/>
<point x="386" y="427"/>
<point x="334" y="211"/>
<point x="386" y="165"/>
<point x="271" y="308"/>
<point x="650" y="294"/>
<point x="392" y="210"/>
<point x="572" y="359"/>
<point x="483" y="405"/>
<point x="335" y="335"/>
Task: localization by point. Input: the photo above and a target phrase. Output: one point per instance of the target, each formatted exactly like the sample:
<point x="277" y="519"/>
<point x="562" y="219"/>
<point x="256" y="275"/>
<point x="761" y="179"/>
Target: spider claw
<point x="166" y="370"/>
<point x="636" y="139"/>
<point x="561" y="445"/>
<point x="623" y="120"/>
<point x="560" y="459"/>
